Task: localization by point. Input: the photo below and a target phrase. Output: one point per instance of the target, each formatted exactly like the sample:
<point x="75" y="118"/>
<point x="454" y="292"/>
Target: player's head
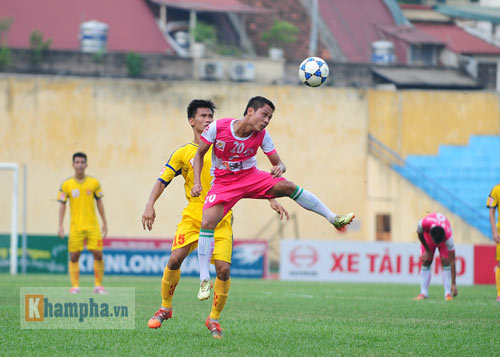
<point x="259" y="110"/>
<point x="200" y="113"/>
<point x="258" y="102"/>
<point x="79" y="162"/>
<point x="437" y="234"/>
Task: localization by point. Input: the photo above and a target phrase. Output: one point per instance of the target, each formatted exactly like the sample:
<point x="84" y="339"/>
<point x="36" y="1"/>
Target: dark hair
<point x="258" y="102"/>
<point x="437" y="234"/>
<point x="79" y="154"/>
<point x="199" y="103"/>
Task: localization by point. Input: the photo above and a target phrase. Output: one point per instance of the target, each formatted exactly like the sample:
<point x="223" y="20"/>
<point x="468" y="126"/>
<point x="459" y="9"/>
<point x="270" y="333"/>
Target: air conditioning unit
<point x="242" y="71"/>
<point x="211" y="70"/>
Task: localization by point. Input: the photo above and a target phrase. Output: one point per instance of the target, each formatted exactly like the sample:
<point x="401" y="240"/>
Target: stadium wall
<point x="129" y="128"/>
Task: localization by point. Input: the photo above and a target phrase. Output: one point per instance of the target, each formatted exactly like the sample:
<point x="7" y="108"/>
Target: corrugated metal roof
<point x="411" y="34"/>
<point x="425" y="78"/>
<point x="132" y="26"/>
<point x="354" y="25"/>
<point x="459" y="41"/>
<point x="213" y="6"/>
<point x="425" y="15"/>
<point x="473" y="12"/>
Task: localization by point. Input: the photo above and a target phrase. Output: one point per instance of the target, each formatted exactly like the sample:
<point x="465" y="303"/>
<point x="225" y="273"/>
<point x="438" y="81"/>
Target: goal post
<point x="14" y="167"/>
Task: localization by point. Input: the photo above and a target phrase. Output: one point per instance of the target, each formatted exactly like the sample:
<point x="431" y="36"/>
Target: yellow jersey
<point x="181" y="163"/>
<point x="82" y="196"/>
<point x="493" y="199"/>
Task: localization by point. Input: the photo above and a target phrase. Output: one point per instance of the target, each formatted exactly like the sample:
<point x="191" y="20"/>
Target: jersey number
<point x="238" y="148"/>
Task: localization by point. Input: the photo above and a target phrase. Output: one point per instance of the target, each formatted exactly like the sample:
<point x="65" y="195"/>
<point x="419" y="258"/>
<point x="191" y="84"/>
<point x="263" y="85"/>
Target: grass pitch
<point x="273" y="318"/>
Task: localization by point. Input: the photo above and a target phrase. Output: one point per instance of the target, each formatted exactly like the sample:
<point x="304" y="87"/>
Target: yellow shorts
<point x="188" y="231"/>
<point x="497" y="258"/>
<point x="78" y="237"/>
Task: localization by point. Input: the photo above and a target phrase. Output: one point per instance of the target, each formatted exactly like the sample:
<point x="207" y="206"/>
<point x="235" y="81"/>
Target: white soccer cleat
<point x="75" y="290"/>
<point x="204" y="292"/>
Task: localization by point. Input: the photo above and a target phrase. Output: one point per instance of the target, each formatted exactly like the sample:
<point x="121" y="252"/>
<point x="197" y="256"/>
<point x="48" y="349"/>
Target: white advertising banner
<point x="373" y="262"/>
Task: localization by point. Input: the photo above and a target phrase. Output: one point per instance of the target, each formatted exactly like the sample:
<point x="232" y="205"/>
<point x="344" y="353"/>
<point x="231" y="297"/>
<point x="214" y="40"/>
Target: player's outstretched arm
<point x="62" y="211"/>
<point x="197" y="166"/>
<point x="494" y="230"/>
<point x="275" y="205"/>
<point x="149" y="215"/>
<point x="100" y="208"/>
<point x="279" y="167"/>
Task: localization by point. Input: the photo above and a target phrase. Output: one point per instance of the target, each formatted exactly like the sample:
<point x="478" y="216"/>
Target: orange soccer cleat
<point x="214" y="328"/>
<point x="160" y="316"/>
<point x="448" y="297"/>
<point x="420" y="297"/>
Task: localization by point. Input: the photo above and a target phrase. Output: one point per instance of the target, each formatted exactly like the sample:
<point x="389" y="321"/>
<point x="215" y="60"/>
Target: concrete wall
<point x="129" y="129"/>
<point x="417" y="122"/>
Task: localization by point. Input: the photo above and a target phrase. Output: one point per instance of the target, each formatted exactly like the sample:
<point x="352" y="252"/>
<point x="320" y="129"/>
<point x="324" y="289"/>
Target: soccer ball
<point x="313" y="71"/>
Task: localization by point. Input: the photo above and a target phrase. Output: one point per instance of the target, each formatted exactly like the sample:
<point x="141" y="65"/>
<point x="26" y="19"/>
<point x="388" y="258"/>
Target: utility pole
<point x="313" y="38"/>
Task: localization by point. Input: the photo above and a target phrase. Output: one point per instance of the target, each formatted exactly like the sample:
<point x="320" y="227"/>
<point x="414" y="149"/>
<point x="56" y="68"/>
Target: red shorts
<point x="443" y="249"/>
<point x="232" y="187"/>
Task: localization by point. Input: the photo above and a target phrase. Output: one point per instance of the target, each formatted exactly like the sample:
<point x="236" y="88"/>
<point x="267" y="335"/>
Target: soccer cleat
<point x="341" y="221"/>
<point x="214" y="328"/>
<point x="75" y="290"/>
<point x="204" y="292"/>
<point x="100" y="290"/>
<point x="498" y="298"/>
<point x="160" y="316"/>
<point x="420" y="297"/>
<point x="448" y="297"/>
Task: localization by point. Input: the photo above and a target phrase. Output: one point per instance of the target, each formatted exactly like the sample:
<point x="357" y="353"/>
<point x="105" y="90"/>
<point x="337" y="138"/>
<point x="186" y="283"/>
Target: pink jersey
<point x="232" y="153"/>
<point x="432" y="220"/>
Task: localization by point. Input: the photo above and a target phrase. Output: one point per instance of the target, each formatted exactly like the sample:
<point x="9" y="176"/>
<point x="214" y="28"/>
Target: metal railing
<point x="416" y="176"/>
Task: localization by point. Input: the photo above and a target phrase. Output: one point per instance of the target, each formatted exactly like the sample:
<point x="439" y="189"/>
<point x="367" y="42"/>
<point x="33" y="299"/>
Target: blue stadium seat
<point x="459" y="177"/>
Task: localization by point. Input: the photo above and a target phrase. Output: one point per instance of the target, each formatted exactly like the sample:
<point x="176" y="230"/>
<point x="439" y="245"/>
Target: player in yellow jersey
<point x="492" y="204"/>
<point x="200" y="114"/>
<point x="83" y="193"/>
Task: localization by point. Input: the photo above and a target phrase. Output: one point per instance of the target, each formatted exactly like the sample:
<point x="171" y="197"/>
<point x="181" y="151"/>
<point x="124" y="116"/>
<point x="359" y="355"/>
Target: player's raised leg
<point x="310" y="202"/>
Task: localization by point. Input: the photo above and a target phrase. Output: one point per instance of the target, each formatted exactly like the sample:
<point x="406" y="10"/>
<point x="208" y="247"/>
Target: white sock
<point x="447" y="279"/>
<point x="205" y="249"/>
<point x="310" y="202"/>
<point x="425" y="280"/>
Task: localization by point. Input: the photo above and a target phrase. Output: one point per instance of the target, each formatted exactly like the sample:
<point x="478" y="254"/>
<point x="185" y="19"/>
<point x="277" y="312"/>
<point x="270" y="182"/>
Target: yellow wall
<point x="129" y="129"/>
<point x="417" y="122"/>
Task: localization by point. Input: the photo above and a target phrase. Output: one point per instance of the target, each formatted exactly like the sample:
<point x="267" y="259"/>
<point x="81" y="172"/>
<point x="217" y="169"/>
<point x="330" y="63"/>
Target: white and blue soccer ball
<point x="313" y="71"/>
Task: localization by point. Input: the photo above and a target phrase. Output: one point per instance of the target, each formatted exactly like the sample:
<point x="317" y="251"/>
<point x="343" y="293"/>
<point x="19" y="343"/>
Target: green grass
<point x="273" y="318"/>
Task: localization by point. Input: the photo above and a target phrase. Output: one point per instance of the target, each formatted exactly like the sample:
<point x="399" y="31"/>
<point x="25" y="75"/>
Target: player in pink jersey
<point x="236" y="176"/>
<point x="434" y="231"/>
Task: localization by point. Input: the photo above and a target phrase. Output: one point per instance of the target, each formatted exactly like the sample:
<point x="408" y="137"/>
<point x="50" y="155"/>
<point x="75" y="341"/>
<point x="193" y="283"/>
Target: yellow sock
<point x="74" y="273"/>
<point x="497" y="279"/>
<point x="168" y="283"/>
<point x="221" y="288"/>
<point x="98" y="271"/>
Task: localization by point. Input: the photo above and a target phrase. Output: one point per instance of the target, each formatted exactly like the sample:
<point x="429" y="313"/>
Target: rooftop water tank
<point x="383" y="52"/>
<point x="93" y="36"/>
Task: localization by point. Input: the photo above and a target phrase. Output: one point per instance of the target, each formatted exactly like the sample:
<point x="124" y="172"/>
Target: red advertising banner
<point x="484" y="264"/>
